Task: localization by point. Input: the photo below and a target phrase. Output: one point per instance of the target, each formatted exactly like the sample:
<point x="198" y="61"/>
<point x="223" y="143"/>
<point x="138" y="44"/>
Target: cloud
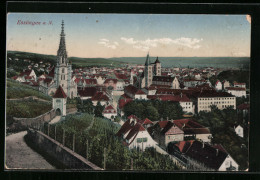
<point x="248" y="18"/>
<point x="145" y="45"/>
<point x="106" y="43"/>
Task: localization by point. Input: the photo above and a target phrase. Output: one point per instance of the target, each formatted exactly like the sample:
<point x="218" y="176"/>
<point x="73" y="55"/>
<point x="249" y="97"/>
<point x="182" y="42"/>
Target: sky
<point x="131" y="35"/>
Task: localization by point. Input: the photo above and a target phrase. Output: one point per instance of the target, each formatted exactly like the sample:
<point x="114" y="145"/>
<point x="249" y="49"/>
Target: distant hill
<point x="221" y="62"/>
<point x="217" y="62"/>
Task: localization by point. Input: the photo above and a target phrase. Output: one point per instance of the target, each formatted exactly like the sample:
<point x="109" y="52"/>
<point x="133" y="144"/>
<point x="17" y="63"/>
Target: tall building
<point x="62" y="72"/>
<point x="150" y="70"/>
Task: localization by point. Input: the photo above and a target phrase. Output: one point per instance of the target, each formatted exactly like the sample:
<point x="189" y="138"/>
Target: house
<point x="239" y="130"/>
<point x="168" y="131"/>
<point x="241" y="85"/>
<point x="172" y="82"/>
<point x="237" y="91"/>
<point x="218" y="85"/>
<point x="123" y="100"/>
<point x="192" y="129"/>
<point x="101" y="97"/>
<point x="109" y="112"/>
<point x="135" y="93"/>
<point x="202" y="156"/>
<point x="135" y="135"/>
<point x="28" y="73"/>
<point x="87" y="92"/>
<point x="225" y="84"/>
<point x="205" y="99"/>
<point x="244" y="109"/>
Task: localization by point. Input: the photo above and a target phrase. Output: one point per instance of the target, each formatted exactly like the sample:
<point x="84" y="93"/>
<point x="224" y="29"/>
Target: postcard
<point x="127" y="92"/>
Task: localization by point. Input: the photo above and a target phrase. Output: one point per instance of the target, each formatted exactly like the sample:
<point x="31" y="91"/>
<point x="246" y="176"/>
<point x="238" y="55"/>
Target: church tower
<point x="148" y="72"/>
<point x="61" y="70"/>
<point x="158" y="67"/>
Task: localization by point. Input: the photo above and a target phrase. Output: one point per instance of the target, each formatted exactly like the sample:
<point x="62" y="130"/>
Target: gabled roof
<point x="100" y="96"/>
<point x="162" y="124"/>
<point x="147" y="121"/>
<point x="191" y="127"/>
<point x="87" y="92"/>
<point x="134" y="131"/>
<point x="203" y="153"/>
<point x="59" y="93"/>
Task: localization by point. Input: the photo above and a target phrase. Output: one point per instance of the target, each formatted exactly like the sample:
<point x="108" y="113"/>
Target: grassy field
<point x="17" y="90"/>
<point x="27" y="108"/>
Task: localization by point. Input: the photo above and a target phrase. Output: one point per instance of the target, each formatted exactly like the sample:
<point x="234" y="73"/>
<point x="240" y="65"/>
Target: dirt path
<point x="19" y="156"/>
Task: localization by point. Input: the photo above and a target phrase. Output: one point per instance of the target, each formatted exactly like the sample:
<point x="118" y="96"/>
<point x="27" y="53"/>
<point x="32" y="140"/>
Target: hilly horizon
<point x="221" y="62"/>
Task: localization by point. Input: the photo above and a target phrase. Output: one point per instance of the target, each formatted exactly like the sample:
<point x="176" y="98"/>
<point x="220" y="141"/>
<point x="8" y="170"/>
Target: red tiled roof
<point x="243" y="106"/>
<point x="91" y="81"/>
<point x="182" y="144"/>
<point x="123" y="102"/>
<point x="47" y="80"/>
<point x="170" y="97"/>
<point x="100" y="96"/>
<point x="87" y="92"/>
<point x="134" y="131"/>
<point x="14" y="77"/>
<point x="191" y="127"/>
<point x="59" y="93"/>
<point x="214" y="94"/>
<point x="26" y="73"/>
<point x="147" y="121"/>
<point x="162" y="124"/>
<point x="139" y="92"/>
<point x="121" y="76"/>
<point x="51" y="73"/>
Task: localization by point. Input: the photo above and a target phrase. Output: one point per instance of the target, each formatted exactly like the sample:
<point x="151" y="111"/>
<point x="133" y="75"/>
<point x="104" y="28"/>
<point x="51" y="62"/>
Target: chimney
<point x="217" y="152"/>
<point x="181" y="94"/>
<point x="203" y="144"/>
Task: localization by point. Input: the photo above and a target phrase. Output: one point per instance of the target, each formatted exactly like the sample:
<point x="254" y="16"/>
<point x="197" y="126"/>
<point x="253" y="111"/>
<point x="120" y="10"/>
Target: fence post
<point x="104" y="158"/>
<point x="55" y="132"/>
<point x="132" y="164"/>
<point x="63" y="138"/>
<point x="73" y="143"/>
<point x="87" y="151"/>
<point x="48" y="129"/>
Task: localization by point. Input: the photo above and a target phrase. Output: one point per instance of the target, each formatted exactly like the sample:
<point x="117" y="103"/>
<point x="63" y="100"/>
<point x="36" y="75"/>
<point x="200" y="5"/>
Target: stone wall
<point x="59" y="152"/>
<point x="36" y="122"/>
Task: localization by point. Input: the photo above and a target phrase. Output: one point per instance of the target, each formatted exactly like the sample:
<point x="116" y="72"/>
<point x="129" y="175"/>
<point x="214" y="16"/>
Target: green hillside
<point x="17" y="90"/>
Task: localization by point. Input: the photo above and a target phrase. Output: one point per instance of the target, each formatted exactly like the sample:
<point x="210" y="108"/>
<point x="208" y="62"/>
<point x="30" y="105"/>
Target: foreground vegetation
<point x="221" y="124"/>
<point x="93" y="141"/>
<point x="154" y="109"/>
<point x="17" y="90"/>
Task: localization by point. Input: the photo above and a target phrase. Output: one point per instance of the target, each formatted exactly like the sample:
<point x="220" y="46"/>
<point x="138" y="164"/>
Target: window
<point x="58" y="101"/>
<point x="139" y="140"/>
<point x="62" y="70"/>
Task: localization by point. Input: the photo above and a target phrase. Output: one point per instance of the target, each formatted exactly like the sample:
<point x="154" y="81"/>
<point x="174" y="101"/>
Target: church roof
<point x="157" y="61"/>
<point x="59" y="93"/>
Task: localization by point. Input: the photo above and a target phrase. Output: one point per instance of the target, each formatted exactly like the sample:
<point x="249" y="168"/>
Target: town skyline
<point x="93" y="35"/>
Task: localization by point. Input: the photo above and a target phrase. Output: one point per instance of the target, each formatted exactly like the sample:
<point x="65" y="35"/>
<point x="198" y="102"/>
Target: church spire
<point x="147" y="62"/>
<point x="62" y="53"/>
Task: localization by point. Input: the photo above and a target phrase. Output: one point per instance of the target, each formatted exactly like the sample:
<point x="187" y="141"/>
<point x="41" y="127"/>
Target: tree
<point x="117" y="119"/>
<point x="98" y="110"/>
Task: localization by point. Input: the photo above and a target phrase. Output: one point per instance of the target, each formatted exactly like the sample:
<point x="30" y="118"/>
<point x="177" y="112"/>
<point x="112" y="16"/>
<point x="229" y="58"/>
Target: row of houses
<point x="184" y="139"/>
